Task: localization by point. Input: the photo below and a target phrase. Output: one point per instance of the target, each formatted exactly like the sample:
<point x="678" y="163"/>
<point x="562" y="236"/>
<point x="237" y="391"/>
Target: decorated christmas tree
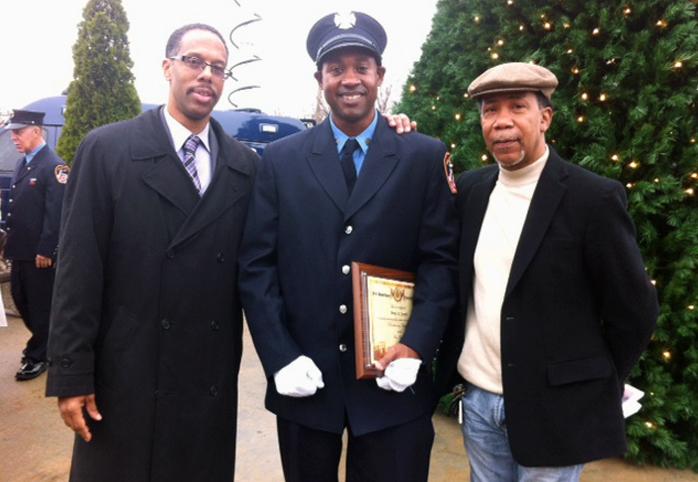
<point x="102" y="90"/>
<point x="625" y="108"/>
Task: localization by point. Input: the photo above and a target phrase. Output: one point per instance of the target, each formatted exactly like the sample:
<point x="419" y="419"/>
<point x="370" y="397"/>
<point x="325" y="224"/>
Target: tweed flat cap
<point x="513" y="76"/>
<point x="352" y="29"/>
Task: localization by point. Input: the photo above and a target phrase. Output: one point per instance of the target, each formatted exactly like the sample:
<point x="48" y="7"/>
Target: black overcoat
<point x="303" y="232"/>
<point x="146" y="313"/>
<point x="578" y="312"/>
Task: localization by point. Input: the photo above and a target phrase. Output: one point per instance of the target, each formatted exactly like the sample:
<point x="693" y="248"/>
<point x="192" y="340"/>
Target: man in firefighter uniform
<point x="33" y="219"/>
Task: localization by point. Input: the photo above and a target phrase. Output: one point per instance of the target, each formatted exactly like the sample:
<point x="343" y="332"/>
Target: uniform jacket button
<point x="66" y="362"/>
<point x="220" y="257"/>
<point x="342" y="347"/>
<point x="346" y="269"/>
<point x="343" y="309"/>
<point x="213" y="391"/>
<point x="165" y="323"/>
<point x="215" y="326"/>
<point x="348" y="229"/>
<point x="170" y="254"/>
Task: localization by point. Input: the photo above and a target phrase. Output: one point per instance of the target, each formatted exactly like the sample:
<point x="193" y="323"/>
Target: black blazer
<point x="303" y="227"/>
<point x="578" y="312"/>
<point x="34" y="212"/>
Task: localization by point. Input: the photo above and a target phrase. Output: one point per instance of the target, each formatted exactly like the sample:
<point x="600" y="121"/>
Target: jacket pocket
<point x="584" y="369"/>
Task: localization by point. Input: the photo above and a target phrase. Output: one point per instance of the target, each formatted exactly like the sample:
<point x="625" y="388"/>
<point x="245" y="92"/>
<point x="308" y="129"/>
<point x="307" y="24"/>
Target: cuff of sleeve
<point x="70" y="375"/>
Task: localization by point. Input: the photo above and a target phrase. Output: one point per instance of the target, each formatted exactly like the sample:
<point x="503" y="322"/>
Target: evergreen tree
<point x="625" y="108"/>
<point x="102" y="89"/>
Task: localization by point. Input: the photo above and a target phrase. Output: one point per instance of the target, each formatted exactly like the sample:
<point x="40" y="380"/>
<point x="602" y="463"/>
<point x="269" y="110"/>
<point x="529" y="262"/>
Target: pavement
<point x="36" y="446"/>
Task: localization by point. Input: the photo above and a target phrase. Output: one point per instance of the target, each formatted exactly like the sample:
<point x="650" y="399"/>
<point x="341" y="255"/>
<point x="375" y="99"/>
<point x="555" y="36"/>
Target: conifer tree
<point x="102" y="89"/>
<point x="625" y="108"/>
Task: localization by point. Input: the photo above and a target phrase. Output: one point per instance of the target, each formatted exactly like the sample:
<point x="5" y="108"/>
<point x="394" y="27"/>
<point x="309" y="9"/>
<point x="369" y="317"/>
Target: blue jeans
<point x="485" y="436"/>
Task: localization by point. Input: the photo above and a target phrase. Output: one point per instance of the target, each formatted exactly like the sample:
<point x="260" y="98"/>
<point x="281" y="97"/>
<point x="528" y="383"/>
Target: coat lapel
<point x="473" y="213"/>
<point x="546" y="197"/>
<point x="379" y="163"/>
<point x="150" y="141"/>
<point x="226" y="189"/>
<point x="324" y="162"/>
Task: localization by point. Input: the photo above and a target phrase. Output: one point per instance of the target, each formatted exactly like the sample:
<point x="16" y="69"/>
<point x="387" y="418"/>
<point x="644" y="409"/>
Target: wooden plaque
<point x="383" y="300"/>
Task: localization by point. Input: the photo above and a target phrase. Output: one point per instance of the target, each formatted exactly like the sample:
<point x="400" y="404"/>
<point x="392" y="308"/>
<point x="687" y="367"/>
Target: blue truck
<point x="250" y="126"/>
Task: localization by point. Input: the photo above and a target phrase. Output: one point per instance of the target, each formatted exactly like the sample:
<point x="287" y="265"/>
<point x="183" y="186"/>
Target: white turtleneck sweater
<point x="480" y="361"/>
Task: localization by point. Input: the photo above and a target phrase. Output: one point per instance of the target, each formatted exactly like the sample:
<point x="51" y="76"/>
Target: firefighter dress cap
<point x="24" y="118"/>
<point x="514" y="76"/>
<point x="340" y="30"/>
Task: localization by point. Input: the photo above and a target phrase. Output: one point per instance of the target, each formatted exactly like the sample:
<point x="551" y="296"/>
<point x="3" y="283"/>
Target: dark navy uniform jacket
<point x="34" y="213"/>
<point x="303" y="231"/>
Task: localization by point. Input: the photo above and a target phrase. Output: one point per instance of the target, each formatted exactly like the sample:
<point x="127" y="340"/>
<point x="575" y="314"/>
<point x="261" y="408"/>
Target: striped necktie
<point x="189" y="161"/>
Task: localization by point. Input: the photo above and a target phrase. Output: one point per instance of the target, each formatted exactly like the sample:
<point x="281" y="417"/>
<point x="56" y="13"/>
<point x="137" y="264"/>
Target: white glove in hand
<point x="300" y="378"/>
<point x="400" y="374"/>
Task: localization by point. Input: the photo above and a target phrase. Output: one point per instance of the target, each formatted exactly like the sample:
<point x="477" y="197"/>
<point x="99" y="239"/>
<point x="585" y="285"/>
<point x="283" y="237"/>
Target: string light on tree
<point x="691" y="307"/>
<point x="569" y="51"/>
<point x="615" y="158"/>
<point x="477" y="19"/>
<point x="662" y="23"/>
<point x="678" y="64"/>
<point x="494" y="55"/>
<point x="580" y="119"/>
<point x="483" y="158"/>
<point x="547" y="25"/>
<point x="457" y="116"/>
<point x="633" y="164"/>
<point x="603" y="97"/>
<point x="585" y="96"/>
<point x="566" y="25"/>
<point x="649" y="425"/>
<point x="453" y="145"/>
<point x="413" y="88"/>
<point x="500" y="42"/>
<point x="630" y="186"/>
<point x="575" y="70"/>
<point x="694" y="175"/>
<point x="627" y="11"/>
<point x="521" y="28"/>
<point x="666" y="355"/>
<point x="596" y="31"/>
<point x="690" y="191"/>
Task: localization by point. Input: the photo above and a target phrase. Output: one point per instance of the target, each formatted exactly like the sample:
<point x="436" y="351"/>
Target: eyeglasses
<point x="195" y="63"/>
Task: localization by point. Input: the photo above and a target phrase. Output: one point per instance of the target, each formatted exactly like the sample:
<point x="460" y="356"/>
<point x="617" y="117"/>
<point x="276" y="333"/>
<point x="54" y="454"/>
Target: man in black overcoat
<point x="316" y="206"/>
<point x="33" y="220"/>
<point x="146" y="329"/>
<point x="556" y="306"/>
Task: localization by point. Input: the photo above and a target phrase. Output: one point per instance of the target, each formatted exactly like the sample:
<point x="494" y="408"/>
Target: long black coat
<point x="146" y="312"/>
<point x="578" y="312"/>
<point x="34" y="212"/>
<point x="303" y="229"/>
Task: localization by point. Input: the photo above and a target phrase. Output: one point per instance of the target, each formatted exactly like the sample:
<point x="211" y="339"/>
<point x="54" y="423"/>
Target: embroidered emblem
<point x="61" y="173"/>
<point x="345" y="21"/>
<point x="450" y="176"/>
<point x="32" y="181"/>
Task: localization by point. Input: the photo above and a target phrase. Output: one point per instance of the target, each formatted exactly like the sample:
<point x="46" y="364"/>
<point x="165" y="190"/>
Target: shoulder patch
<point x="450" y="176"/>
<point x="61" y="172"/>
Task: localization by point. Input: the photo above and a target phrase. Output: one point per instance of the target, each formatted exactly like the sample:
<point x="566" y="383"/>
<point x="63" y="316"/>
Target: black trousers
<point x="395" y="454"/>
<point x="32" y="290"/>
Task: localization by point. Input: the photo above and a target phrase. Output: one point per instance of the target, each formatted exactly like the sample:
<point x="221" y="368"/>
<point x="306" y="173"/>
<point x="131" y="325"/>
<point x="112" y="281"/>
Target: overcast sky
<point x="38" y="37"/>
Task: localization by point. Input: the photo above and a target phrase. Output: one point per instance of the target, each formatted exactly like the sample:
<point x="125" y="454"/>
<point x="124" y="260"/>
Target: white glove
<point x="300" y="378"/>
<point x="400" y="374"/>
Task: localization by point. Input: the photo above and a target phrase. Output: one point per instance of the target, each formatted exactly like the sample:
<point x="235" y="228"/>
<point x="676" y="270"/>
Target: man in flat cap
<point x="33" y="220"/>
<point x="555" y="304"/>
<point x="350" y="189"/>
